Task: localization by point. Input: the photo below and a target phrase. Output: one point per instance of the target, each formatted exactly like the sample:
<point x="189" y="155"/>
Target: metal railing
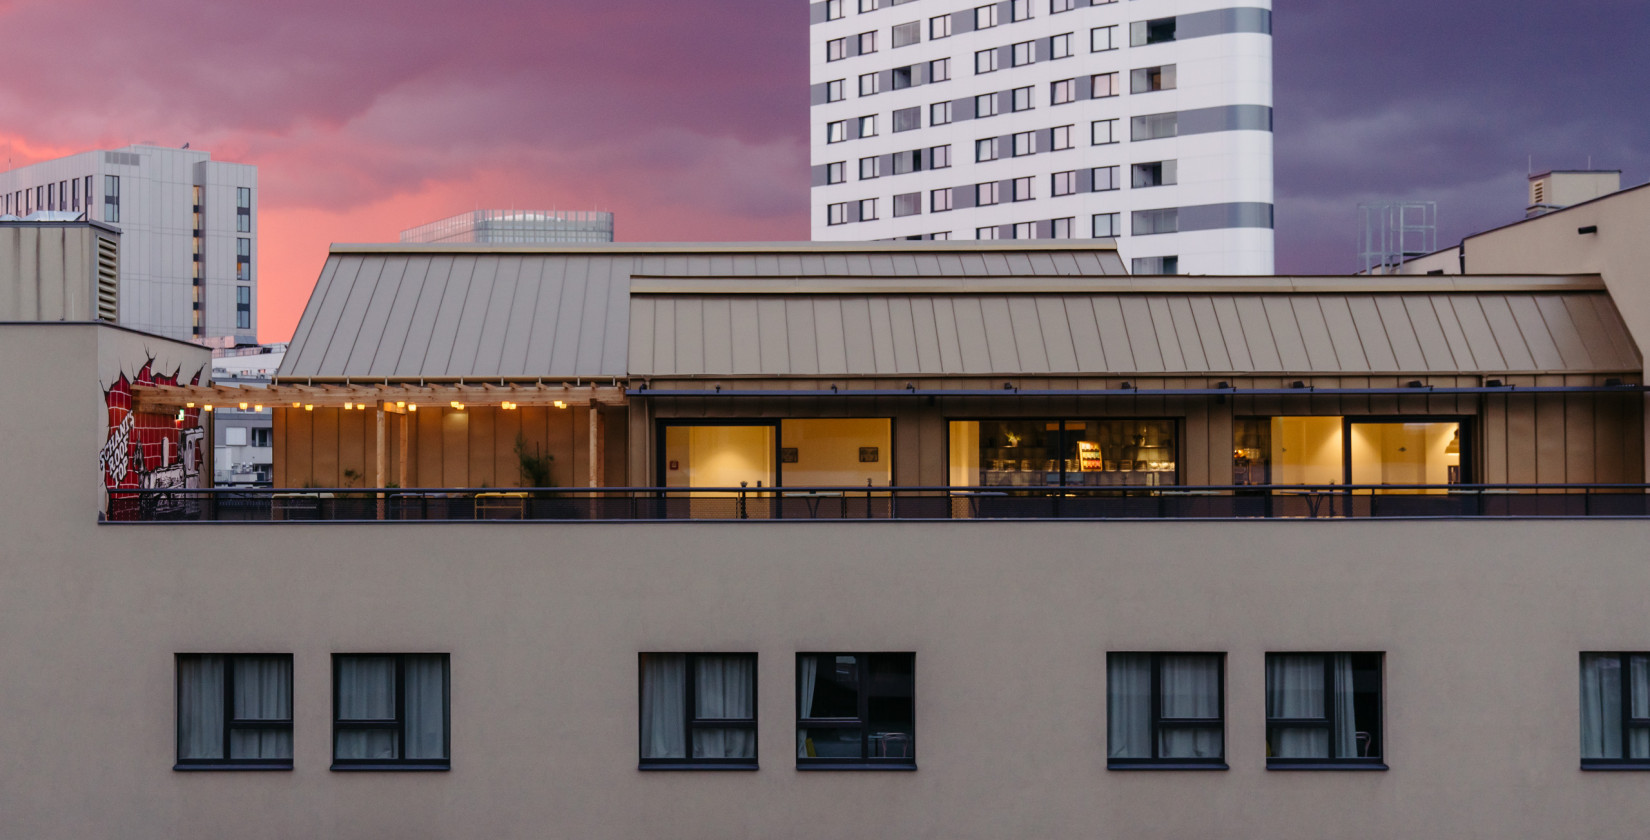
<point x="627" y="504"/>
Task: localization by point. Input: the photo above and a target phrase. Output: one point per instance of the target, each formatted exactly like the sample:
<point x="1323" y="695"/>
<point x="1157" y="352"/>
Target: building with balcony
<point x="1146" y="123"/>
<point x="952" y="539"/>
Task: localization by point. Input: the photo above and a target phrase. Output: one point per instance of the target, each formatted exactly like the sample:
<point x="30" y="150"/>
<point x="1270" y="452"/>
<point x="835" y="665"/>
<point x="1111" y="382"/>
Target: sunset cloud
<point x="689" y="121"/>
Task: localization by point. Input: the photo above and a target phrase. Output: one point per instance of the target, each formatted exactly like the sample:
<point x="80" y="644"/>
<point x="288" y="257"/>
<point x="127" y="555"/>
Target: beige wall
<point x="1481" y="624"/>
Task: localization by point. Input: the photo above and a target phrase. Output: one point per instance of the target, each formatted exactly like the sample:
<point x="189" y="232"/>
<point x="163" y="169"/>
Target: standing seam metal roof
<point x="491" y="312"/>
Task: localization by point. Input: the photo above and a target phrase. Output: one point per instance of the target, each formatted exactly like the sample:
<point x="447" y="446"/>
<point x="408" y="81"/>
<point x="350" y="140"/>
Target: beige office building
<point x="940" y="540"/>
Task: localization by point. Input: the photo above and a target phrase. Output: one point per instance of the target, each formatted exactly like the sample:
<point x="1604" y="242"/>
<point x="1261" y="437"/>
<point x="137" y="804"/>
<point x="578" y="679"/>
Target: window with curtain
<point x="698" y="710"/>
<point x="234" y="711"/>
<point x="856" y="711"/>
<point x="1323" y="711"/>
<point x="1165" y="710"/>
<point x="390" y="711"/>
<point x="1615" y="711"/>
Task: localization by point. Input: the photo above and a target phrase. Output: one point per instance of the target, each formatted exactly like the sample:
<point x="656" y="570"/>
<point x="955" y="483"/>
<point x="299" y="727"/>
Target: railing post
<point x="741" y="506"/>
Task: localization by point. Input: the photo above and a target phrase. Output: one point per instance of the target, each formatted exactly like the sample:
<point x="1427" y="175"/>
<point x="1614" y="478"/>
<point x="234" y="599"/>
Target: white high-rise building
<point x="189" y="233"/>
<point x="1148" y="120"/>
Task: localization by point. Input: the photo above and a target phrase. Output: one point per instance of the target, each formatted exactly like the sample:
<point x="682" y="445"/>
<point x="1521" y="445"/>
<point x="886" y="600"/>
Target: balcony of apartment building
<point x="693" y="391"/>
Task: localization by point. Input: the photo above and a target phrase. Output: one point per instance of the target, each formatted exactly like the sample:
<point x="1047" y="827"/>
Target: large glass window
<point x="1086" y="453"/>
<point x="1615" y="710"/>
<point x="1323" y="710"/>
<point x="856" y="710"/>
<point x="1405" y="453"/>
<point x="698" y="710"/>
<point x="1165" y="709"/>
<point x="1333" y="450"/>
<point x="390" y="711"/>
<point x="810" y="452"/>
<point x="234" y="711"/>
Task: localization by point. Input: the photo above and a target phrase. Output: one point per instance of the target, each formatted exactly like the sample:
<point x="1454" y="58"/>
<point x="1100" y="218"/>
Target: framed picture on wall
<point x="787" y="455"/>
<point x="868" y="454"/>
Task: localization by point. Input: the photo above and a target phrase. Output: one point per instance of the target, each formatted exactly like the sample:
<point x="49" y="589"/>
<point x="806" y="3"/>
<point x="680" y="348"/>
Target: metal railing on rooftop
<point x="647" y="504"/>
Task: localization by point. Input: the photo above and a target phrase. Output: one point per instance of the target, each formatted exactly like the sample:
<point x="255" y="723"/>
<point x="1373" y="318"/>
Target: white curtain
<point x="1346" y="713"/>
<point x="1191" y="689"/>
<point x="425" y="682"/>
<point x="664" y="710"/>
<point x="1129" y="705"/>
<point x="366" y="691"/>
<point x="200" y="707"/>
<point x="807" y="674"/>
<point x="1638" y="739"/>
<point x="1294" y="690"/>
<point x="724" y="689"/>
<point x="1600" y="706"/>
<point x="263" y="691"/>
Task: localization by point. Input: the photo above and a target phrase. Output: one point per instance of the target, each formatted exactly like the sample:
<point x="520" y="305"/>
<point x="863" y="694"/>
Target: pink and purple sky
<point x="689" y="121"/>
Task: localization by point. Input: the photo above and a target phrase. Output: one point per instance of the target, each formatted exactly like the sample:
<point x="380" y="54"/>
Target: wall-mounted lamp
<point x="309" y="407"/>
<point x="243" y="406"/>
<point x="1494" y="383"/>
<point x="1299" y="383"/>
<point x="560" y="404"/>
<point x="1586" y="229"/>
<point x="258" y="408"/>
<point x="1415" y="383"/>
<point x="412" y="406"/>
<point x="208" y="406"/>
<point x="188" y="405"/>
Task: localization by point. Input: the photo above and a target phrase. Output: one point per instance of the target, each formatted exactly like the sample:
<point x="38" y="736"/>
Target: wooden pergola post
<point x="383" y="462"/>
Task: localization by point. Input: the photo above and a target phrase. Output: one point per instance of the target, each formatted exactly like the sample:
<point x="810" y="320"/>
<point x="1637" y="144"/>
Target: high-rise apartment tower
<point x="1145" y="120"/>
<point x="189" y="233"/>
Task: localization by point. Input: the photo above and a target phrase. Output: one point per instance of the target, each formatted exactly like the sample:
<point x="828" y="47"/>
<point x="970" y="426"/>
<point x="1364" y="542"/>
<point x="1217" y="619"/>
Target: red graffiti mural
<point x="147" y="449"/>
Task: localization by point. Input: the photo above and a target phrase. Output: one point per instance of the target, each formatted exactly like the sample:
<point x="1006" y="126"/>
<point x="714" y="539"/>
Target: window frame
<point x="836" y="90"/>
<point x="1060" y="138"/>
<point x="1628" y="722"/>
<point x="1157" y="719"/>
<point x="1022" y="99"/>
<point x="1328" y="720"/>
<point x="1023" y="189"/>
<point x="1116" y="225"/>
<point x="836" y="172"/>
<point x="1057" y="43"/>
<point x="692" y="721"/>
<point x="865" y="761"/>
<point x="937" y="29"/>
<point x="1066" y="179"/>
<point x="399" y="724"/>
<point x="230" y="722"/>
<point x="982" y="57"/>
<point x="935" y="68"/>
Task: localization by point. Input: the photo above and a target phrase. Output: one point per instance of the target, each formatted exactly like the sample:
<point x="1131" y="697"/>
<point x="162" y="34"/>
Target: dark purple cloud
<point x="1446" y="100"/>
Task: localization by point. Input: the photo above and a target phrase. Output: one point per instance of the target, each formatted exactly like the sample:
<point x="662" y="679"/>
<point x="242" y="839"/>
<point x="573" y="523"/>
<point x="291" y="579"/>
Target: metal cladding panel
<point x="466" y="315"/>
<point x="1066" y="334"/>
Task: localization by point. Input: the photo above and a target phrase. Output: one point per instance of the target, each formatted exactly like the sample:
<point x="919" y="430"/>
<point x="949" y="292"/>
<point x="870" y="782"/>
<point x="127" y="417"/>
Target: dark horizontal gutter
<point x="911" y="391"/>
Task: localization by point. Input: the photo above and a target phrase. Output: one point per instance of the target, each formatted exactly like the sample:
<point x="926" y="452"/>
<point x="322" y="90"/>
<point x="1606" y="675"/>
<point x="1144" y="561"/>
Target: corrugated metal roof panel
<point x="1066" y="334"/>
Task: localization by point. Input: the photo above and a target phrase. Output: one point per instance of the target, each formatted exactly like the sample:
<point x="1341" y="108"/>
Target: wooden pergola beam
<point x="394" y="398"/>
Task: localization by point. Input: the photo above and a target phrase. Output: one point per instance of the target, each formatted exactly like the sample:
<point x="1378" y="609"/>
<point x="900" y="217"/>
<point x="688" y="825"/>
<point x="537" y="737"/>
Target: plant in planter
<point x="534" y="465"/>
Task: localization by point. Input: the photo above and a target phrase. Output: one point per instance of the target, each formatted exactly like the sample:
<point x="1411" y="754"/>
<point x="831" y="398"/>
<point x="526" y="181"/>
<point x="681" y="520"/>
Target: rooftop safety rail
<point x="767" y="504"/>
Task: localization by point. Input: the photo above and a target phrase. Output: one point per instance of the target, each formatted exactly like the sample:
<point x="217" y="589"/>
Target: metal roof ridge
<point x="1111" y="284"/>
<point x="690" y="248"/>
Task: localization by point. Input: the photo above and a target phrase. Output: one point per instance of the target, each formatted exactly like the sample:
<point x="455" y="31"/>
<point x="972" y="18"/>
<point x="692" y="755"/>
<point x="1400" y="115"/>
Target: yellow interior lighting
<point x="309" y="408"/>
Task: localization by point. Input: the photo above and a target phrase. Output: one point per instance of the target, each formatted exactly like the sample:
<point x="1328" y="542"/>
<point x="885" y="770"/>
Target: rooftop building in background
<point x="1038" y="119"/>
<point x="189" y="233"/>
<point x="1560" y="188"/>
<point x="522" y="226"/>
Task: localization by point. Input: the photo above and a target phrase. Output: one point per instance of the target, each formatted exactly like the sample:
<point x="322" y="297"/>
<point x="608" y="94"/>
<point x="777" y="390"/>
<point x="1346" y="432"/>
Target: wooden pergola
<point x="386" y="399"/>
